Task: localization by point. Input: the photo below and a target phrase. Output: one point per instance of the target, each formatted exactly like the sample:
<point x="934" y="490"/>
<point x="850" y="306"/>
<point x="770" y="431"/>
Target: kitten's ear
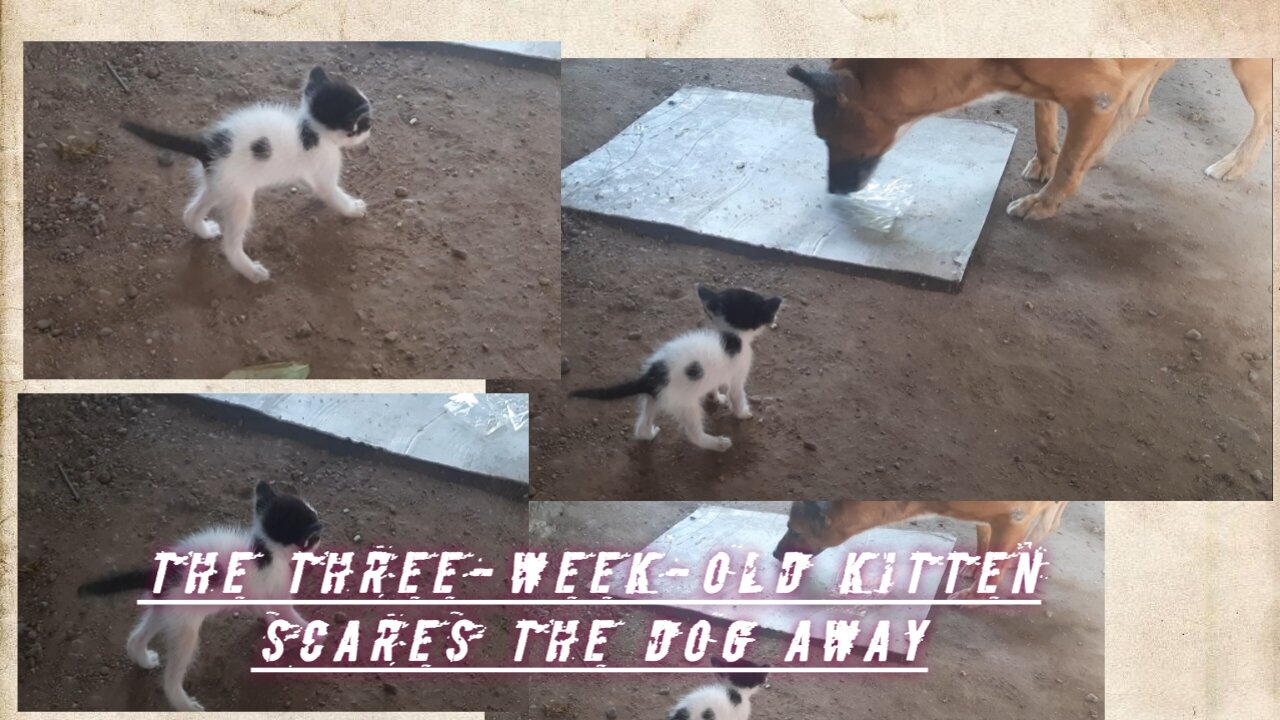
<point x="772" y="305"/>
<point x="707" y="296"/>
<point x="316" y="79"/>
<point x="262" y="496"/>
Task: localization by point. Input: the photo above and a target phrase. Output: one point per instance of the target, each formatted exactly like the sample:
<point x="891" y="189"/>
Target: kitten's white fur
<point x="180" y="624"/>
<point x="230" y="183"/>
<point x="681" y="398"/>
<point x="716" y="699"/>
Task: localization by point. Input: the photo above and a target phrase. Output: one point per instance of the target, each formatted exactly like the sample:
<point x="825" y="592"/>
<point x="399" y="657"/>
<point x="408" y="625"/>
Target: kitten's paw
<point x="357" y="209"/>
<point x="256" y="272"/>
<point x="193" y="705"/>
<point x="1031" y="207"/>
<point x="743" y="414"/>
<point x="721" y="398"/>
<point x="648" y="433"/>
<point x="150" y="660"/>
<point x="207" y="229"/>
<point x="719" y="443"/>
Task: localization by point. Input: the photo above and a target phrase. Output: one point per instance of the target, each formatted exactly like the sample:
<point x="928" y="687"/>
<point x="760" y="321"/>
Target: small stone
<point x="389" y="689"/>
<point x="105" y="332"/>
<point x="879" y="468"/>
<point x="633" y="335"/>
<point x="1194" y="335"/>
<point x="391" y="337"/>
<point x="131" y="292"/>
<point x="356" y="538"/>
<point x="810" y="446"/>
<point x="1152" y="313"/>
<point x="165" y="159"/>
<point x="1257" y="476"/>
<point x="459" y="253"/>
<point x="402" y="192"/>
<point x="1253" y="376"/>
<point x="1029" y="305"/>
<point x="544" y="281"/>
<point x="484" y="347"/>
<point x="611" y="714"/>
<point x="304" y="331"/>
<point x="564" y="366"/>
<point x="413" y="121"/>
<point x="1091" y="698"/>
<point x="43" y="325"/>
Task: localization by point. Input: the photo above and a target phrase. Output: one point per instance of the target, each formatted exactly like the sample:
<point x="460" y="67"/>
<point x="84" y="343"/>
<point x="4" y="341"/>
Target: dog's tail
<point x="653" y="380"/>
<point x="196" y="147"/>
<point x="117" y="583"/>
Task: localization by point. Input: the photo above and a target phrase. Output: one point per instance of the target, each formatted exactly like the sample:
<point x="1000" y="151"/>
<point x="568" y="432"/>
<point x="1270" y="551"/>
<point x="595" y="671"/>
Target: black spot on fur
<point x="335" y="104"/>
<point x="261" y="149"/>
<point x="735" y="697"/>
<point x="693" y="370"/>
<point x="708" y="714"/>
<point x="739" y="308"/>
<point x="681" y="714"/>
<point x="731" y="343"/>
<point x="308" y="135"/>
<point x="264" y="553"/>
<point x="219" y="147"/>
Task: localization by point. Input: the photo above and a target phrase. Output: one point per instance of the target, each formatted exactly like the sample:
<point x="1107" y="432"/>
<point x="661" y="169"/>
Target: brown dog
<point x="816" y="526"/>
<point x="861" y="107"/>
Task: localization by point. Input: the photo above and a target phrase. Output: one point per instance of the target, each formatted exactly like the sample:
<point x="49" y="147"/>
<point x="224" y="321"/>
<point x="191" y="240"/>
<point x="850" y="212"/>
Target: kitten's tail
<point x="117" y="582"/>
<point x="653" y="380"/>
<point x="196" y="147"/>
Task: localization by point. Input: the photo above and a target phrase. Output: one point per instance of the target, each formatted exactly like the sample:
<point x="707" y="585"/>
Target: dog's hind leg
<point x="1255" y="80"/>
<point x="1042" y="166"/>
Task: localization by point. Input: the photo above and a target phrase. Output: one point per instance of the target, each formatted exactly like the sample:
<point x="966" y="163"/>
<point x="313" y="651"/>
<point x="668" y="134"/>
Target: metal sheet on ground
<point x="693" y="541"/>
<point x="486" y="434"/>
<point x="748" y="169"/>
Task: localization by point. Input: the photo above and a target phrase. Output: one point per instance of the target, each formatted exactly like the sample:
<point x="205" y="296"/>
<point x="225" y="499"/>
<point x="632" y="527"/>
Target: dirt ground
<point x="1061" y="369"/>
<point x="990" y="663"/>
<point x="150" y="469"/>
<point x="459" y="278"/>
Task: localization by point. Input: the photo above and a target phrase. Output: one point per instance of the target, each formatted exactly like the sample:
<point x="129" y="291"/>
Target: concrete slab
<point x="711" y="529"/>
<point x="747" y="168"/>
<point x="537" y="50"/>
<point x="486" y="434"/>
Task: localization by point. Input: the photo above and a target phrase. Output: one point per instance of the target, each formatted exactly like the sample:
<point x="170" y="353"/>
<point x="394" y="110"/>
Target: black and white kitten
<point x="282" y="525"/>
<point x="730" y="699"/>
<point x="707" y="360"/>
<point x="265" y="145"/>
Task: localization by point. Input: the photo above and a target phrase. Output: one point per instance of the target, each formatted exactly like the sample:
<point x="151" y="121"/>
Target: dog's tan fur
<point x="1002" y="525"/>
<point x="870" y="103"/>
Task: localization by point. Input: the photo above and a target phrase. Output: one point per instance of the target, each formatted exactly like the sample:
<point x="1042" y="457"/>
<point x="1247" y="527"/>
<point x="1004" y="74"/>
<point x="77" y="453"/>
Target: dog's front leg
<point x="1042" y="166"/>
<point x="1087" y="128"/>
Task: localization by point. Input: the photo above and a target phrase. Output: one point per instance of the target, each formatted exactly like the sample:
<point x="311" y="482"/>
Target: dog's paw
<point x="357" y="209"/>
<point x="1031" y="207"/>
<point x="1038" y="170"/>
<point x="256" y="272"/>
<point x="208" y="230"/>
<point x="719" y="443"/>
<point x="1225" y="169"/>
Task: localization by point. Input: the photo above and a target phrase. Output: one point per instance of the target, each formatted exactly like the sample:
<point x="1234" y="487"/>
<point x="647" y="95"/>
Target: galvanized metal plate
<point x="747" y="168"/>
<point x="693" y="541"/>
<point x="485" y="433"/>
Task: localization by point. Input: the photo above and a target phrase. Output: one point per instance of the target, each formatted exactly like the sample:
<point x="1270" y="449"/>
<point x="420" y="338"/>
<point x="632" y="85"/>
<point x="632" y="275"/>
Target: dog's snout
<point x="788" y="543"/>
<point x="850" y="176"/>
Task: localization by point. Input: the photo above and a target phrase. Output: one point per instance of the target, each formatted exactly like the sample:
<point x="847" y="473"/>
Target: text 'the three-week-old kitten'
<point x="265" y="145"/>
<point x="707" y="360"/>
<point x="282" y="525"/>
<point x="730" y="699"/>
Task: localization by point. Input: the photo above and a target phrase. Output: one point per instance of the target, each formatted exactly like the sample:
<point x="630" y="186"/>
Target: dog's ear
<point x="817" y="511"/>
<point x="848" y="87"/>
<point x="822" y="84"/>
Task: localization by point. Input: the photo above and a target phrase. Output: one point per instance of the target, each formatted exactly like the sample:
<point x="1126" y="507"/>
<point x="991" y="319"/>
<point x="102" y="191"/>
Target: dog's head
<point x="858" y="127"/>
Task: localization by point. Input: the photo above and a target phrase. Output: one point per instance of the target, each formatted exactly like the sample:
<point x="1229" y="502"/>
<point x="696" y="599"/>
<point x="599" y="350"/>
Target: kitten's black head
<point x="742" y="674"/>
<point x="286" y="519"/>
<point x="738" y="308"/>
<point x="338" y="106"/>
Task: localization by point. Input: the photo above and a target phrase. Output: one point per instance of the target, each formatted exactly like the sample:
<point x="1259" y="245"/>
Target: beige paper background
<point x="1191" y="587"/>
